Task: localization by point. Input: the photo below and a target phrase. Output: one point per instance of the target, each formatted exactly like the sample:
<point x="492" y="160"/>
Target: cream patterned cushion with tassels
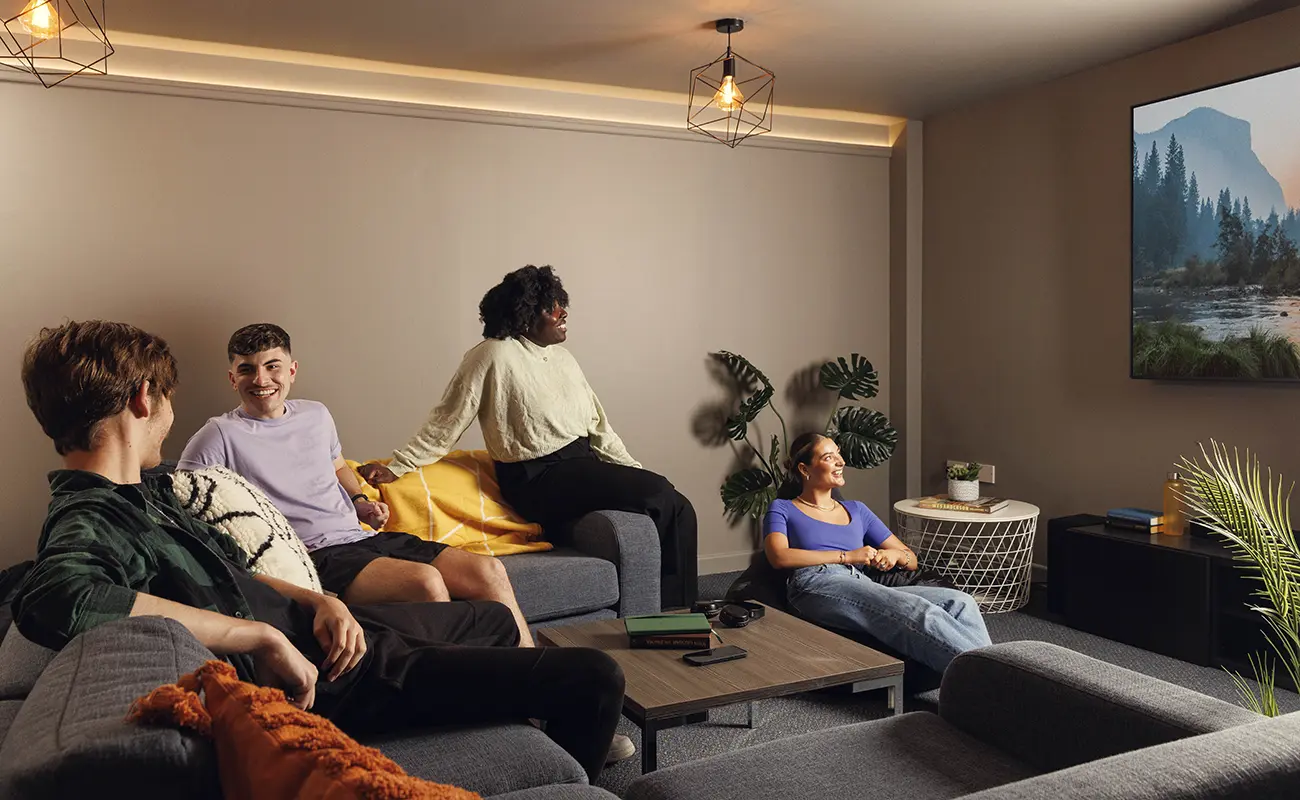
<point x="225" y="500"/>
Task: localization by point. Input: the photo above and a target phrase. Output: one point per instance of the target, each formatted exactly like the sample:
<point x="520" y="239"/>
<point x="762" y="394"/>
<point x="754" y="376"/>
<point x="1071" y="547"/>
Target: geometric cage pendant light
<point x="731" y="96"/>
<point x="56" y="39"/>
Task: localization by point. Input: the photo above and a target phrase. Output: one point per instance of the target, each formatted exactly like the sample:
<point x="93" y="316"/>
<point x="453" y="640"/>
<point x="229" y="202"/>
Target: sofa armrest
<point x="1253" y="762"/>
<point x="21" y="663"/>
<point x="631" y="542"/>
<point x="1053" y="708"/>
<point x="71" y="737"/>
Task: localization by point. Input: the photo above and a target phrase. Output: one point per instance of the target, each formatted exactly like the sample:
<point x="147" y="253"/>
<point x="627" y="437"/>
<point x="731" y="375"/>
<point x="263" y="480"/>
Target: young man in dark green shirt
<point x="116" y="543"/>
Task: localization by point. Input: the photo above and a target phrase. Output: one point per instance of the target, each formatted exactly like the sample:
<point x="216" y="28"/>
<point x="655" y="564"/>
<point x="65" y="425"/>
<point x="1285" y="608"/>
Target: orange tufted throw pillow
<point x="269" y="748"/>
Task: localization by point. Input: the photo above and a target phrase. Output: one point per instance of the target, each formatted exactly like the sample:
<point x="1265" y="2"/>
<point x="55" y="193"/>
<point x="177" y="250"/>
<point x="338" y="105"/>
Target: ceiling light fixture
<point x="719" y="106"/>
<point x="56" y="39"/>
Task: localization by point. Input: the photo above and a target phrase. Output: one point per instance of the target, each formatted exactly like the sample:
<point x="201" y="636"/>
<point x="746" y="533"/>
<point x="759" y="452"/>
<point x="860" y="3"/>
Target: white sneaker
<point x="620" y="749"/>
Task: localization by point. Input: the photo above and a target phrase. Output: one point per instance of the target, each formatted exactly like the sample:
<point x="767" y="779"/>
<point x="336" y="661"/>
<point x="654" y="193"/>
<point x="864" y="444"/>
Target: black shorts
<point x="338" y="565"/>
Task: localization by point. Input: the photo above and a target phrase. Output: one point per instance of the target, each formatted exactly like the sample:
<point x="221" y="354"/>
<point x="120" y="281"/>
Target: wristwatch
<point x="356" y="497"/>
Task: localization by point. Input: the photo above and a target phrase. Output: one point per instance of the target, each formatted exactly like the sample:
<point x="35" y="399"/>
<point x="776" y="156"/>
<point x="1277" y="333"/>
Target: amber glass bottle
<point x="1175" y="519"/>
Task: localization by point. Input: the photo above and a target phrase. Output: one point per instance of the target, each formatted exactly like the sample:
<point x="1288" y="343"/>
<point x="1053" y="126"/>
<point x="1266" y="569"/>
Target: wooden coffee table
<point x="786" y="656"/>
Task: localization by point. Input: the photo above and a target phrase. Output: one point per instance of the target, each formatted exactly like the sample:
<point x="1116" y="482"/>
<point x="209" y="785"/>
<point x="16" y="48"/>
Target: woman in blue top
<point x="826" y="543"/>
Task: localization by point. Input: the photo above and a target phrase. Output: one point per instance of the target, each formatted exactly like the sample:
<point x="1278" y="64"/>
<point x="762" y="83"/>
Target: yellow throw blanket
<point x="456" y="501"/>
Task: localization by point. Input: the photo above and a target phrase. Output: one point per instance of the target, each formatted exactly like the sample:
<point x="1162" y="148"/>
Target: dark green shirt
<point x="103" y="542"/>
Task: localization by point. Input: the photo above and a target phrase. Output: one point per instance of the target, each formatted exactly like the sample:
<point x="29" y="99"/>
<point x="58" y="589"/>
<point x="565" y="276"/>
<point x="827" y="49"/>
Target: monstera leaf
<point x="851" y="379"/>
<point x="748" y="493"/>
<point x="748" y="378"/>
<point x="865" y="437"/>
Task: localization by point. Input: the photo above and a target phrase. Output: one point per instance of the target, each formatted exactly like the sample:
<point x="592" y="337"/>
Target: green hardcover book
<point x="666" y="623"/>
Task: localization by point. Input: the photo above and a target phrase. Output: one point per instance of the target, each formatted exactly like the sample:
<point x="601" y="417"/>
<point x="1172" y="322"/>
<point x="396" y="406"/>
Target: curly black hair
<point x="511" y="308"/>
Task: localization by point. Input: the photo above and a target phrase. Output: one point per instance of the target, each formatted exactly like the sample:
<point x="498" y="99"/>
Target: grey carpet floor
<point x="726" y="729"/>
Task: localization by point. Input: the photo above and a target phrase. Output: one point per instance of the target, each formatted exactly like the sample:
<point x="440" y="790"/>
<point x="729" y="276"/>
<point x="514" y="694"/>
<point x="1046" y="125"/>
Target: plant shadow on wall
<point x="865" y="437"/>
<point x="1253" y="516"/>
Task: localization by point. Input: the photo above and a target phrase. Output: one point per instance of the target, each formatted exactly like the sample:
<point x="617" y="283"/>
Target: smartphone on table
<point x="717" y="655"/>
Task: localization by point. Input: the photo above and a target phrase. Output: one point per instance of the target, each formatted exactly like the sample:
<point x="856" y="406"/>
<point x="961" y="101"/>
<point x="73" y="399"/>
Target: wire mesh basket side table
<point x="988" y="556"/>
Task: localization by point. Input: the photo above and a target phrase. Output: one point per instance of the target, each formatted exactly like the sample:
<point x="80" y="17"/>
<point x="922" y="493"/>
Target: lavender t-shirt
<point x="806" y="533"/>
<point x="291" y="459"/>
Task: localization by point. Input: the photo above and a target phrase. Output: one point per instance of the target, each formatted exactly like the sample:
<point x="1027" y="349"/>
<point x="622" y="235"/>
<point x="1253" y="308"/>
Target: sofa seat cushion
<point x="914" y="756"/>
<point x="71" y="737"/>
<point x="8" y="711"/>
<point x="488" y="759"/>
<point x="571" y="791"/>
<point x="21" y="663"/>
<point x="561" y="583"/>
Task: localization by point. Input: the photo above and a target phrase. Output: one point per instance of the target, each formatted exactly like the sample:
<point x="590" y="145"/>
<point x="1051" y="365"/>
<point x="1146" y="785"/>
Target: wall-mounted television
<point x="1216" y="232"/>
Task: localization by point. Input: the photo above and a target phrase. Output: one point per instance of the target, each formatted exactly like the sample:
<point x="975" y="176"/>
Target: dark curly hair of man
<point x="511" y="308"/>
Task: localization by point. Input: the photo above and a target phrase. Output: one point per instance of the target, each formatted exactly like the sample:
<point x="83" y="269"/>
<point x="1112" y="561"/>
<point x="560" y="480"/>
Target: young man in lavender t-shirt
<point x="290" y="450"/>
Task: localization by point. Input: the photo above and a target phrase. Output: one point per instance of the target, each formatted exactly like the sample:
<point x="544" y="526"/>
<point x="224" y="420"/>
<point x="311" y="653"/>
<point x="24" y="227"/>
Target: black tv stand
<point x="1181" y="596"/>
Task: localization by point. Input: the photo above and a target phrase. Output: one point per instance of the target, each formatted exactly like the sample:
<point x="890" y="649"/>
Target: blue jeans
<point x="928" y="624"/>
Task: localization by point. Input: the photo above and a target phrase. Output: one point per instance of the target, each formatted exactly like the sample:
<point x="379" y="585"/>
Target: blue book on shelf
<point x="1143" y="515"/>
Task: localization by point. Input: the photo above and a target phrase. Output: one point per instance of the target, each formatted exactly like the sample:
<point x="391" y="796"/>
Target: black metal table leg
<point x="649" y="747"/>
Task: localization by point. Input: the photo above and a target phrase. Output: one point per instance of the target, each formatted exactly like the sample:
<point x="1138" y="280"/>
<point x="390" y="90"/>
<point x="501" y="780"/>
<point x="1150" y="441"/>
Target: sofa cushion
<point x="21" y="663"/>
<point x="488" y="759"/>
<point x="1259" y="761"/>
<point x="915" y="755"/>
<point x="8" y="710"/>
<point x="1125" y="710"/>
<point x="71" y="737"/>
<point x="561" y="583"/>
<point x="571" y="791"/>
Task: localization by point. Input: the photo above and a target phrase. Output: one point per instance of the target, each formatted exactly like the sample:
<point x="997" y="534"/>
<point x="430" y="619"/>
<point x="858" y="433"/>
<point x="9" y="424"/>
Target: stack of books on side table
<point x="1136" y="519"/>
<point x="982" y="505"/>
<point x="669" y="631"/>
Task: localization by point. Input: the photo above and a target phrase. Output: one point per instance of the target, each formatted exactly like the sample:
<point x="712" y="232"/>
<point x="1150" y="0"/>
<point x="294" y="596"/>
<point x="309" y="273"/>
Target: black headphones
<point x="733" y="614"/>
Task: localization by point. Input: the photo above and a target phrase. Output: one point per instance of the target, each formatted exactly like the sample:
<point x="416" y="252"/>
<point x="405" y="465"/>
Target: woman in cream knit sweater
<point x="556" y="455"/>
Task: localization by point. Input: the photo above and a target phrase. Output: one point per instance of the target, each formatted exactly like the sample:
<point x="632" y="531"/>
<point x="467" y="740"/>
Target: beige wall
<point x="371" y="238"/>
<point x="1026" y="286"/>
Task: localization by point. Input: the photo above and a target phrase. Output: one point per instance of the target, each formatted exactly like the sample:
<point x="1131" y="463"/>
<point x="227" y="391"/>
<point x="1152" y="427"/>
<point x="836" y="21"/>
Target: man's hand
<point x="278" y="663"/>
<point x="372" y="513"/>
<point x="340" y="636"/>
<point x="376" y="474"/>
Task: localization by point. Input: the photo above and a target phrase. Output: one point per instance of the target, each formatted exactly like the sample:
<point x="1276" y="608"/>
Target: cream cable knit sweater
<point x="530" y="401"/>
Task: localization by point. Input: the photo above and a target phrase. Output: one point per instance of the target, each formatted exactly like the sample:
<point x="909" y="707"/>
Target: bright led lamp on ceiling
<point x="731" y="96"/>
<point x="55" y="39"/>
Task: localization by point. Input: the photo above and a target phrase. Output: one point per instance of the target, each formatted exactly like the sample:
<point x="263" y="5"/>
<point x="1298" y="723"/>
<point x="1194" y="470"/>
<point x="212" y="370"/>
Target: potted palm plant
<point x="865" y="437"/>
<point x="1253" y="516"/>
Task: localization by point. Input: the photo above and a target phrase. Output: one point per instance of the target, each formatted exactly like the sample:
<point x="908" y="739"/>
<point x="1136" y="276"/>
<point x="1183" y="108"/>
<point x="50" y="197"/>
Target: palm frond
<point x="1263" y="700"/>
<point x="1251" y="512"/>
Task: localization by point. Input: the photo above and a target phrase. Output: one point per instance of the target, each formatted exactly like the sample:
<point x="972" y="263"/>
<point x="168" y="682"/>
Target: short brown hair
<point x="257" y="338"/>
<point x="81" y="373"/>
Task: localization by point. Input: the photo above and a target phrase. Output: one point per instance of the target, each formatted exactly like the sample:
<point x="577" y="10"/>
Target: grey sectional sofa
<point x="1018" y="721"/>
<point x="62" y="732"/>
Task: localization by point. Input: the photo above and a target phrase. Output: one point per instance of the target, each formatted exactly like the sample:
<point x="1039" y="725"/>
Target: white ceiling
<point x="906" y="58"/>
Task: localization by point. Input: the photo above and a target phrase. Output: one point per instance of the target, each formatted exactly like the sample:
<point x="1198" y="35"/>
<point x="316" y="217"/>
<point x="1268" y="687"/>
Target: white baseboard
<point x="724" y="562"/>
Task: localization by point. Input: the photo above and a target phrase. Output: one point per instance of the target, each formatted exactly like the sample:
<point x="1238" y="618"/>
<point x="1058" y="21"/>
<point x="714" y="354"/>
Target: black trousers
<point x="457" y="663"/>
<point x="558" y="488"/>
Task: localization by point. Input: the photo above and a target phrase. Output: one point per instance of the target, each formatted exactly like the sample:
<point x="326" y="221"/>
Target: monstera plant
<point x="864" y="436"/>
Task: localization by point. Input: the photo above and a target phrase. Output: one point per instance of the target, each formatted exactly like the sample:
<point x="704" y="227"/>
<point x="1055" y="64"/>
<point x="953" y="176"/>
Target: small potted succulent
<point x="964" y="482"/>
